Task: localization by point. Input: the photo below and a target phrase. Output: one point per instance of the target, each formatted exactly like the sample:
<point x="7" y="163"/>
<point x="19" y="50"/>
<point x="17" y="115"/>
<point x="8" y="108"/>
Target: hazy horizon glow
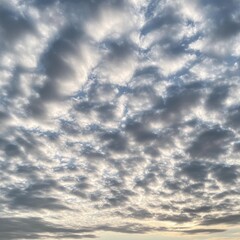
<point x="120" y="119"/>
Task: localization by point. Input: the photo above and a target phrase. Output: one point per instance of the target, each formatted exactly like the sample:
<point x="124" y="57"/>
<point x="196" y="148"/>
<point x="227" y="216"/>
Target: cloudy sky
<point x="120" y="119"/>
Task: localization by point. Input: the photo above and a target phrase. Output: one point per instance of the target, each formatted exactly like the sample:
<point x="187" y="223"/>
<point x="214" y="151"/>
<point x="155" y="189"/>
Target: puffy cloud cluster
<point x="118" y="116"/>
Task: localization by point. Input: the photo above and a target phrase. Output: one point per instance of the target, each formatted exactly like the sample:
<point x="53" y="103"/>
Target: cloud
<point x="229" y="219"/>
<point x="28" y="228"/>
<point x="199" y="231"/>
<point x="194" y="170"/>
<point x="118" y="116"/>
<point x="210" y="144"/>
<point x="226" y="174"/>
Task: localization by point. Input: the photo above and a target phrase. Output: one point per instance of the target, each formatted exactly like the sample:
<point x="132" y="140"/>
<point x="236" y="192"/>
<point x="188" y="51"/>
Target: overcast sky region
<point x="120" y="119"/>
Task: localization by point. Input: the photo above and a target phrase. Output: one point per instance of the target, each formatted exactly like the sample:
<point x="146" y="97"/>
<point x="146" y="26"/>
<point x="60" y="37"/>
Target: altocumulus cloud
<point x="119" y="116"/>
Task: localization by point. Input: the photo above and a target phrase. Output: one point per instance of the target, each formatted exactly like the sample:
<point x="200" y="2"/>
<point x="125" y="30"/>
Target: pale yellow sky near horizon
<point x="230" y="234"/>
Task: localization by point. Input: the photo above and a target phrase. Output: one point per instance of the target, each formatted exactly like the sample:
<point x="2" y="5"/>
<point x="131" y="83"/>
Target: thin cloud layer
<point x="119" y="116"/>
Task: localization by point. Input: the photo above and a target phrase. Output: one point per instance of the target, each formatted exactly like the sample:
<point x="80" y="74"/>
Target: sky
<point x="120" y="119"/>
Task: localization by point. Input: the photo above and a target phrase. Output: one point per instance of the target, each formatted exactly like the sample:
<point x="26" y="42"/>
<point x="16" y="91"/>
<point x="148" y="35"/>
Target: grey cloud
<point x="106" y="111"/>
<point x="70" y="127"/>
<point x="32" y="197"/>
<point x="196" y="189"/>
<point x="168" y="18"/>
<point x="145" y="181"/>
<point x="139" y="131"/>
<point x="88" y="8"/>
<point x="201" y="209"/>
<point x="36" y="108"/>
<point x="83" y="106"/>
<point x="174" y="48"/>
<point x="55" y="66"/>
<point x="43" y="3"/>
<point x="154" y="152"/>
<point x="151" y="8"/>
<point x="173" y="185"/>
<point x="115" y="141"/>
<point x="225" y="194"/>
<point x="234" y="117"/>
<point x="12" y="150"/>
<point x="3" y="115"/>
<point x="14" y="25"/>
<point x="236" y="147"/>
<point x="210" y="144"/>
<point x="179" y="101"/>
<point x="26" y="169"/>
<point x="141" y="214"/>
<point x="226" y="27"/>
<point x="217" y="97"/>
<point x="36" y="203"/>
<point x="226" y="174"/>
<point x="114" y="182"/>
<point x="137" y="213"/>
<point x="118" y="197"/>
<point x="99" y="92"/>
<point x="129" y="228"/>
<point x="149" y="70"/>
<point x="53" y="59"/>
<point x="181" y="218"/>
<point x="29" y="228"/>
<point x="229" y="219"/>
<point x="14" y="89"/>
<point x="194" y="170"/>
<point x="118" y="49"/>
<point x="35" y="228"/>
<point x="202" y="231"/>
